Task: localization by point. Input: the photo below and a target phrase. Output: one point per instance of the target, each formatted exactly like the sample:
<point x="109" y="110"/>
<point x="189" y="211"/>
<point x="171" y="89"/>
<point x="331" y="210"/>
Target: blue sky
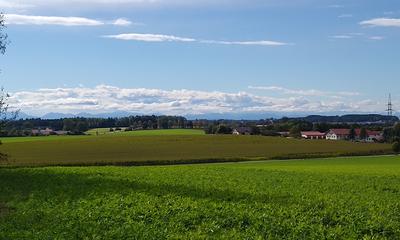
<point x="202" y="56"/>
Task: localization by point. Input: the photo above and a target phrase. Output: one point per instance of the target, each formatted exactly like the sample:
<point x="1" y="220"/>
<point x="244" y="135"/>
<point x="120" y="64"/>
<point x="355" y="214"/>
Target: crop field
<point x="342" y="198"/>
<point x="118" y="149"/>
<point x="161" y="132"/>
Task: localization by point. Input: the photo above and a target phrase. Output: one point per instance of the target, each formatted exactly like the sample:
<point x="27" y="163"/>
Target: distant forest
<point x="80" y="125"/>
<point x="352" y="118"/>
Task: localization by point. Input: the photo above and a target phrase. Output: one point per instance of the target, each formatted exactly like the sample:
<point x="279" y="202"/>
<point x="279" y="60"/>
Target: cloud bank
<point x="382" y="22"/>
<point x="170" y="38"/>
<point x="104" y="98"/>
<point x="150" y="37"/>
<point x="63" y="21"/>
<point x="308" y="92"/>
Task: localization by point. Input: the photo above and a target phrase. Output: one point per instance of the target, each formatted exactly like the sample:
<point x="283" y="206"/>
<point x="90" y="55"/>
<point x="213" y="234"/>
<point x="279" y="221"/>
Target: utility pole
<point x="390" y="106"/>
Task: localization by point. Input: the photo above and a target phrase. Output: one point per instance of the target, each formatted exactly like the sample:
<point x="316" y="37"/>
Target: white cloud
<point x="121" y="22"/>
<point x="19" y="19"/>
<point x="342" y="37"/>
<point x="382" y="22"/>
<point x="249" y="43"/>
<point x="14" y="5"/>
<point x="308" y="92"/>
<point x="150" y="37"/>
<point x="105" y="98"/>
<point x="170" y="38"/>
<point x="376" y="38"/>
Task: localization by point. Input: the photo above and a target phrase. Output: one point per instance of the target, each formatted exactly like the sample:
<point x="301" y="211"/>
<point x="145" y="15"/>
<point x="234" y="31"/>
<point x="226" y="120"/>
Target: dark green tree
<point x="396" y="147"/>
<point x="222" y="129"/>
<point x="82" y="127"/>
<point x="363" y="134"/>
<point x="352" y="134"/>
<point x="295" y="132"/>
<point x="68" y="125"/>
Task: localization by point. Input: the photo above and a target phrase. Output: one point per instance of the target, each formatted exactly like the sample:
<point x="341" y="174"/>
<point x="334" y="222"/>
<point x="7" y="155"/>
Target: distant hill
<point x="351" y="118"/>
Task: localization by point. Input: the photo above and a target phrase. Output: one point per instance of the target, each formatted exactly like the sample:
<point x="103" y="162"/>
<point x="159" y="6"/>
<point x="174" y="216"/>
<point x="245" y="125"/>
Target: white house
<point x="338" y="134"/>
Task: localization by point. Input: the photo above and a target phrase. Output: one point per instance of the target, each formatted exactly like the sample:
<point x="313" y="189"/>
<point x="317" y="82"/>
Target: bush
<point x="3" y="157"/>
<point x="222" y="129"/>
<point x="396" y="147"/>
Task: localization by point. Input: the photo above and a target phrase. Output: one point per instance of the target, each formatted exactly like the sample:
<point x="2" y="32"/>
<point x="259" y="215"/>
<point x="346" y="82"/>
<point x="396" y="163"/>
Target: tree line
<point x="24" y="127"/>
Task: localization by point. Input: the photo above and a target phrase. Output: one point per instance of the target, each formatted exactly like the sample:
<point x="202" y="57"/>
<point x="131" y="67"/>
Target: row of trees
<point x="24" y="127"/>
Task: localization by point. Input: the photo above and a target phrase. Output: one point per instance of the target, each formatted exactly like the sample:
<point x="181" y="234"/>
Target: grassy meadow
<point x="342" y="198"/>
<point x="170" y="146"/>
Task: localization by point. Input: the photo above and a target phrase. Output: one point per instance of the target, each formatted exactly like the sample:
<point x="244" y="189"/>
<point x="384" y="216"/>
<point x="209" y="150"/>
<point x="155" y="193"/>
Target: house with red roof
<point x="372" y="136"/>
<point x="338" y="134"/>
<point x="344" y="134"/>
<point x="312" y="135"/>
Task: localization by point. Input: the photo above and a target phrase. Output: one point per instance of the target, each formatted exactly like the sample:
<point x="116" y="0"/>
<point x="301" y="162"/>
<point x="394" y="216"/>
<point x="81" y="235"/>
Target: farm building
<point x="338" y="134"/>
<point x="242" y="131"/>
<point x="372" y="136"/>
<point x="47" y="132"/>
<point x="313" y="135"/>
<point x="344" y="134"/>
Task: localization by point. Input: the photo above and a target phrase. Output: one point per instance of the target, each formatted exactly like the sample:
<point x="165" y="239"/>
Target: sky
<point x="200" y="57"/>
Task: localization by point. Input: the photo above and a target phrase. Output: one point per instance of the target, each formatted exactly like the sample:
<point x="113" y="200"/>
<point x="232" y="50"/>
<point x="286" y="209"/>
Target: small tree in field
<point x="3" y="95"/>
<point x="363" y="134"/>
<point x="396" y="147"/>
<point x="4" y="116"/>
<point x="352" y="135"/>
<point x="295" y="132"/>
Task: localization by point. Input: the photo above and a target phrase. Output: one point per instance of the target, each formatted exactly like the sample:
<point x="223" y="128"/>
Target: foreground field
<point x="345" y="198"/>
<point x="164" y="149"/>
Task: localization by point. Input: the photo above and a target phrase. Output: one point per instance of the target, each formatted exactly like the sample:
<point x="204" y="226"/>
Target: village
<point x="359" y="134"/>
<point x="288" y="128"/>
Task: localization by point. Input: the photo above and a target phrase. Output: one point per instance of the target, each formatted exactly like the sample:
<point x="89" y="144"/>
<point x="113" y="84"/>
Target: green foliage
<point x="351" y="198"/>
<point x="3" y="157"/>
<point x="122" y="148"/>
<point x="295" y="132"/>
<point x="222" y="129"/>
<point x="396" y="147"/>
<point x="352" y="134"/>
<point x="363" y="134"/>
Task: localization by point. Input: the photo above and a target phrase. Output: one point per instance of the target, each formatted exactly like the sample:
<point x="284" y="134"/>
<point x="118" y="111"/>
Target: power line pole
<point x="390" y="106"/>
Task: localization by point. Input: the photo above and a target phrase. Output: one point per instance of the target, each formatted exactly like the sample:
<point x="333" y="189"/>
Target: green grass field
<point x="164" y="149"/>
<point x="343" y="198"/>
<point x="105" y="132"/>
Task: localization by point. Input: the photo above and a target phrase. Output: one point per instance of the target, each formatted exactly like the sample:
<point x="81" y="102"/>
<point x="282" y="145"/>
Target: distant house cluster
<point x="242" y="131"/>
<point x="47" y="132"/>
<point x="345" y="134"/>
<point x="332" y="134"/>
